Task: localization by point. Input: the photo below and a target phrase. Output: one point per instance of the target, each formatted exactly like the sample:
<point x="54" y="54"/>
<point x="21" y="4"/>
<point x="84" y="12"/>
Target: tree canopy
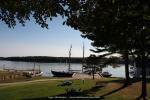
<point x="121" y="26"/>
<point x="107" y="21"/>
<point x="19" y="11"/>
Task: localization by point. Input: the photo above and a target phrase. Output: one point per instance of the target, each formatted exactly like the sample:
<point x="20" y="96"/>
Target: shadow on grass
<point x="114" y="91"/>
<point x="41" y="98"/>
<point x="67" y="97"/>
<point x="122" y="80"/>
<point x="101" y="84"/>
<point x="97" y="87"/>
<point x="46" y="98"/>
<point x="134" y="80"/>
<point x="93" y="89"/>
<point x="141" y="98"/>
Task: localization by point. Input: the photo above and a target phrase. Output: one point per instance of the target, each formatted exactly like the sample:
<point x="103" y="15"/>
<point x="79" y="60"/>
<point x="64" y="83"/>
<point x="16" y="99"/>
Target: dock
<point x="33" y="72"/>
<point x="85" y="76"/>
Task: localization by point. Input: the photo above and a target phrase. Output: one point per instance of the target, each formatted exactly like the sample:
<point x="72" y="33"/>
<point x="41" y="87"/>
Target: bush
<point x="73" y="92"/>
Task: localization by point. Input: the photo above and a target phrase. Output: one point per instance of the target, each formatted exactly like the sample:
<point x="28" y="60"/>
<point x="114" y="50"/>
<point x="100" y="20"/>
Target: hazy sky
<point x="32" y="40"/>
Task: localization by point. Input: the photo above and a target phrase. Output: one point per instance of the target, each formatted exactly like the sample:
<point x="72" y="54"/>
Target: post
<point x="3" y="67"/>
<point x="69" y="58"/>
<point x="39" y="68"/>
<point x="83" y="58"/>
<point x="93" y="70"/>
<point x="34" y="70"/>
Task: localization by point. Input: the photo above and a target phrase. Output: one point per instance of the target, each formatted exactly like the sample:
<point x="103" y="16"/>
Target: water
<point x="47" y="67"/>
<point x="117" y="71"/>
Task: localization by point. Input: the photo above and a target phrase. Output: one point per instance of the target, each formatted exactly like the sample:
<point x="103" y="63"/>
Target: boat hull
<point x="61" y="74"/>
<point x="106" y="74"/>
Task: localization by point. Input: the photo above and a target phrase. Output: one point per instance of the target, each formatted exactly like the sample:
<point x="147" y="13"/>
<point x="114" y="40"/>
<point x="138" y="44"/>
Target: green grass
<point x="110" y="89"/>
<point x="39" y="89"/>
<point x="113" y="89"/>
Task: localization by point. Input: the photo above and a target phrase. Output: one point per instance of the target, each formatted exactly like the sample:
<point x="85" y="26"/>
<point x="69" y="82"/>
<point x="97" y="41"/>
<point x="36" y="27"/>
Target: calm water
<point x="47" y="67"/>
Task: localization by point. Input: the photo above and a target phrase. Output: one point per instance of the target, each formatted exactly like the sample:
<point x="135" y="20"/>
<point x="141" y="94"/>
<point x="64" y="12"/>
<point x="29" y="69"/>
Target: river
<point x="47" y="67"/>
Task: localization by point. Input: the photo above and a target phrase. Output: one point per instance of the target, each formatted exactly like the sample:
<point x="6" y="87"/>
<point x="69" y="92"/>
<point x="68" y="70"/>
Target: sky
<point x="32" y="40"/>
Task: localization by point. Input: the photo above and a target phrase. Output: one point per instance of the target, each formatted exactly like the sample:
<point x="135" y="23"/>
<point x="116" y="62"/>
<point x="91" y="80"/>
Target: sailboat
<point x="68" y="73"/>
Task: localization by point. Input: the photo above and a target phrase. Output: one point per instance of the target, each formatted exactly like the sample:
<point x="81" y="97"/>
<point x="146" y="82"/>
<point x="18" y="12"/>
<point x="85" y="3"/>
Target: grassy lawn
<point x="108" y="88"/>
<point x="39" y="89"/>
<point x="113" y="89"/>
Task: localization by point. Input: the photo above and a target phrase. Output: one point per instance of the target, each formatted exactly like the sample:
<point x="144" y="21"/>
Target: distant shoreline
<point x="50" y="59"/>
<point x="43" y="59"/>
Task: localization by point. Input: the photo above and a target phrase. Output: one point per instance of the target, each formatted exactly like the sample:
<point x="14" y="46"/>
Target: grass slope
<point x="108" y="88"/>
<point x="114" y="89"/>
<point x="39" y="89"/>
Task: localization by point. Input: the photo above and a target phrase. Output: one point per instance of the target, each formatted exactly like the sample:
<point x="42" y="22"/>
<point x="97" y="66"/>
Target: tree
<point x="98" y="20"/>
<point x="92" y="65"/>
<point x="14" y="11"/>
<point x="102" y="21"/>
<point x="107" y="21"/>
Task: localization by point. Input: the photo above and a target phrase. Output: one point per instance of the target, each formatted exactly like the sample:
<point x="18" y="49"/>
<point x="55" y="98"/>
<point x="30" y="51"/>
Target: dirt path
<point x="33" y="81"/>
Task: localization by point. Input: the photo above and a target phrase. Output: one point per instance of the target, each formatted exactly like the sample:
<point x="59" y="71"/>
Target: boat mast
<point x="34" y="69"/>
<point x="39" y="68"/>
<point x="69" y="57"/>
<point x="83" y="58"/>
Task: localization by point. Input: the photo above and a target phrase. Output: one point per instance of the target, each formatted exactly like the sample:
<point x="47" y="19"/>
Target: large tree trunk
<point x="144" y="90"/>
<point x="126" y="59"/>
<point x="93" y="71"/>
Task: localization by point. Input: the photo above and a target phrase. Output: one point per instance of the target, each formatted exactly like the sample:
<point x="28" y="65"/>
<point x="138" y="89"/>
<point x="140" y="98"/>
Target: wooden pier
<point x="33" y="72"/>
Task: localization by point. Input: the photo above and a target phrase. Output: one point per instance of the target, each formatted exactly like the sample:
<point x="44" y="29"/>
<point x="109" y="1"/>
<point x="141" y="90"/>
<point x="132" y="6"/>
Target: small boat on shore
<point x="106" y="74"/>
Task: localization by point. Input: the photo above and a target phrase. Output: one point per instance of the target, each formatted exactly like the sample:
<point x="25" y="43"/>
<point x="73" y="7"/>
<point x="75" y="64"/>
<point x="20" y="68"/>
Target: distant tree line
<point x="47" y="59"/>
<point x="44" y="59"/>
